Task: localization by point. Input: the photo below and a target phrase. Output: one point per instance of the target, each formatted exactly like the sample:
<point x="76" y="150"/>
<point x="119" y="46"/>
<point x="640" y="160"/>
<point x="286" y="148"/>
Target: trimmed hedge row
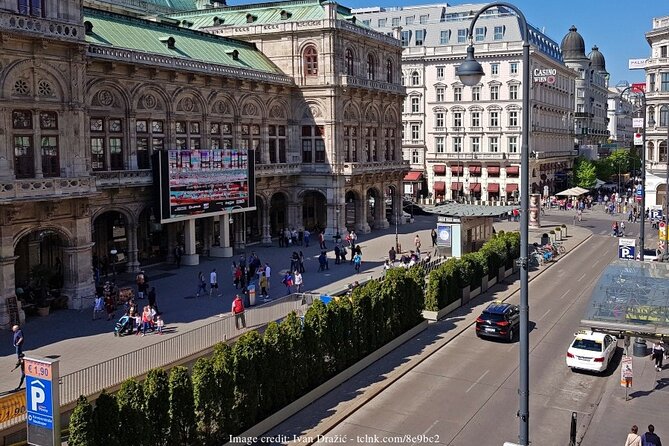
<point x="445" y="282"/>
<point x="239" y="385"/>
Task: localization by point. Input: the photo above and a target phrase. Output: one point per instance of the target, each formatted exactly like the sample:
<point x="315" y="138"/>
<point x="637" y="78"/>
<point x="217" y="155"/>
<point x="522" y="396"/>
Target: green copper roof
<point x="130" y="33"/>
<point x="181" y="5"/>
<point x="264" y="13"/>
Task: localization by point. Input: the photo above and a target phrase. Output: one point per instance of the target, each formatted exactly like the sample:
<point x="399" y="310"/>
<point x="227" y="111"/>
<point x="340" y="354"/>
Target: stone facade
<point x="81" y="120"/>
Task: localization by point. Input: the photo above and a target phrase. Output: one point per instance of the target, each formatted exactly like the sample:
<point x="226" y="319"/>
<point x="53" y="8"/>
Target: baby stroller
<point x="123" y="326"/>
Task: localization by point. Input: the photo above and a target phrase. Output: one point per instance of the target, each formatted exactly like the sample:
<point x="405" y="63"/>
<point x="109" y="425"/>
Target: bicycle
<point x="557" y="246"/>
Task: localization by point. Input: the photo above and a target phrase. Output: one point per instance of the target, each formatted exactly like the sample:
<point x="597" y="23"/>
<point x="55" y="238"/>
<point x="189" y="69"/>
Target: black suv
<point x="499" y="320"/>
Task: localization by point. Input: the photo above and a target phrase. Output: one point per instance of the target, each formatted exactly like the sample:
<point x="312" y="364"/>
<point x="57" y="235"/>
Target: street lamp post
<point x="470" y="73"/>
<point x="666" y="198"/>
<point x="336" y="237"/>
<point x="642" y="168"/>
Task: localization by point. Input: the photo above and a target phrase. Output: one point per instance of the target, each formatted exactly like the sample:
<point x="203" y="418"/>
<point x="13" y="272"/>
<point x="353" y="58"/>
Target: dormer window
<point x="218" y="21"/>
<point x="168" y="41"/>
<point x="88" y="28"/>
<point x="234" y="54"/>
<point x="285" y="15"/>
<point x="186" y="23"/>
<point x="250" y="18"/>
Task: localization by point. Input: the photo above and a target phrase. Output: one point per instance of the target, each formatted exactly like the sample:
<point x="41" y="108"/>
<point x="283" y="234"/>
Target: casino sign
<point x="544" y="75"/>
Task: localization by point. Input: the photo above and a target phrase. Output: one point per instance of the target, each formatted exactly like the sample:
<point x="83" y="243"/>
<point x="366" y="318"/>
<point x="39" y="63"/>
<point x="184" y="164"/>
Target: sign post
<point x="42" y="401"/>
<point x="626" y="374"/>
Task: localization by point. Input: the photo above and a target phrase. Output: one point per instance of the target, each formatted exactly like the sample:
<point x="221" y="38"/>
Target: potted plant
<point x="40" y="278"/>
<point x="564" y="229"/>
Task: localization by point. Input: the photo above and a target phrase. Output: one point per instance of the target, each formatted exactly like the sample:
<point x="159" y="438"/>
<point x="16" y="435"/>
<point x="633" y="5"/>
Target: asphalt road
<point x="466" y="393"/>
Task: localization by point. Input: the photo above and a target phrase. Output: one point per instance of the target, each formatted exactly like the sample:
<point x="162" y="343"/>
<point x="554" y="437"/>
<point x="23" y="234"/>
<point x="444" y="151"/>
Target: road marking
<point x="427" y="430"/>
<point x="565" y="293"/>
<point x="545" y="314"/>
<point x="581" y="278"/>
<point x="477" y="381"/>
<point x="603" y="232"/>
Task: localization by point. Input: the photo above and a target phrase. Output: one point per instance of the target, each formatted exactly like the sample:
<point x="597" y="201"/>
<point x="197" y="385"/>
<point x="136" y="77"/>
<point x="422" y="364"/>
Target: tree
<point x="156" y="407"/>
<point x="106" y="420"/>
<point x="205" y="396"/>
<point x="585" y="174"/>
<point x="225" y="392"/>
<point x="82" y="427"/>
<point x="130" y="400"/>
<point x="182" y="408"/>
<point x="247" y="354"/>
<point x="292" y="332"/>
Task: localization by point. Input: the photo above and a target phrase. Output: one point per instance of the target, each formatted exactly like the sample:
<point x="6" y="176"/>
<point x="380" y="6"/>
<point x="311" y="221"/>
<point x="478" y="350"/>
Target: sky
<point x="617" y="27"/>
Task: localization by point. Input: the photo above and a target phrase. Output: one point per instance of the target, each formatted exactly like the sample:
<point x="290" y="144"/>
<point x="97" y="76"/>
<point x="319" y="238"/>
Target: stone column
<point x="224" y="250"/>
<point x="207" y="235"/>
<point x="240" y="231"/>
<point x="7" y="288"/>
<point x="78" y="281"/>
<point x="171" y="229"/>
<point x="266" y="227"/>
<point x="380" y="220"/>
<point x="295" y="216"/>
<point x="190" y="257"/>
<point x="362" y="208"/>
<point x="133" y="260"/>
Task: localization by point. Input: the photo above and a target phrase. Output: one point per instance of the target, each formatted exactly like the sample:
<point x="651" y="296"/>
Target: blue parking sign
<point x="39" y="402"/>
<point x="626" y="248"/>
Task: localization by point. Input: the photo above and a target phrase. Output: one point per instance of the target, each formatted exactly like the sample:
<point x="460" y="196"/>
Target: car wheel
<point x="512" y="334"/>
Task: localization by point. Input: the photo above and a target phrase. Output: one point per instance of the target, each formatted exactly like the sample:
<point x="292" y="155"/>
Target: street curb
<point x="318" y="432"/>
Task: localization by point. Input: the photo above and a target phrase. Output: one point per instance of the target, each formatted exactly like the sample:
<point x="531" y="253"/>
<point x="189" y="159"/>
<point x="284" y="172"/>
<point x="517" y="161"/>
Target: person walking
<point x="160" y="324"/>
<point x="213" y="282"/>
<point x="263" y="285"/>
<point x="300" y="262"/>
<point x="321" y="239"/>
<point x="392" y="255"/>
<point x="99" y="306"/>
<point x="201" y="284"/>
<point x="238" y="311"/>
<point x="633" y="438"/>
<point x="433" y="236"/>
<point x="288" y="282"/>
<point x="237" y="275"/>
<point x="178" y="253"/>
<point x="298" y="281"/>
<point x="337" y="252"/>
<point x="142" y="285"/>
<point x="657" y="355"/>
<point x="152" y="298"/>
<point x="307" y="237"/>
<point x="416" y="242"/>
<point x="147" y="320"/>
<point x="268" y="274"/>
<point x="20" y="364"/>
<point x="357" y="261"/>
<point x="650" y="438"/>
<point x="18" y="340"/>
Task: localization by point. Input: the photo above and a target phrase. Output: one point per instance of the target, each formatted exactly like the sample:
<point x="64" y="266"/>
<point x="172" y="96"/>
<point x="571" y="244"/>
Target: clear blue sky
<point x="617" y="27"/>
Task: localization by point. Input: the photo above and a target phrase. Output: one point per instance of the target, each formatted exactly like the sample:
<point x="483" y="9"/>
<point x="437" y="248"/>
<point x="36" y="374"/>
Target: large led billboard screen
<point x="203" y="183"/>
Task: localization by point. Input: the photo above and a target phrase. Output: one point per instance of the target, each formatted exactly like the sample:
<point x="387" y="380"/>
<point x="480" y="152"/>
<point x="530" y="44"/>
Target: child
<point x="99" y="306"/>
<point x="263" y="285"/>
<point x="160" y="323"/>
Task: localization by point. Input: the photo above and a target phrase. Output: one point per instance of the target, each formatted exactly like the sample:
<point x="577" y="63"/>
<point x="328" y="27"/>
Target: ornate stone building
<point x="90" y="92"/>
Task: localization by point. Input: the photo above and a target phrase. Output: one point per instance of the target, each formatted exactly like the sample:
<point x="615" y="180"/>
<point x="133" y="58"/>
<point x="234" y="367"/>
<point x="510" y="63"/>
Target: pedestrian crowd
<point x="650" y="438"/>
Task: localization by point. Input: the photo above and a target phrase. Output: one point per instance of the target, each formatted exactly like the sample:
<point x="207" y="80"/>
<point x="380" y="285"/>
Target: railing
<point x="374" y="166"/>
<point x="473" y="156"/>
<point x="660" y="22"/>
<point x="43" y="27"/>
<point x="123" y="178"/>
<point x="25" y="189"/>
<point x="282" y="169"/>
<point x="113" y="372"/>
<point x="356" y="81"/>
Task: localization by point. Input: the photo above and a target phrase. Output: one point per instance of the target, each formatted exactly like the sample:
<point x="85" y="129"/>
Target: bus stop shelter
<point x="631" y="298"/>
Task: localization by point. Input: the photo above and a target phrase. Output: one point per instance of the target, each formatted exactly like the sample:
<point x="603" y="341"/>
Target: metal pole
<point x="642" y="230"/>
<point x="666" y="198"/>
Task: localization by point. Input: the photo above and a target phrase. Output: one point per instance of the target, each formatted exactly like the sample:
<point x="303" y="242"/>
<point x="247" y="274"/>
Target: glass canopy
<point x="631" y="297"/>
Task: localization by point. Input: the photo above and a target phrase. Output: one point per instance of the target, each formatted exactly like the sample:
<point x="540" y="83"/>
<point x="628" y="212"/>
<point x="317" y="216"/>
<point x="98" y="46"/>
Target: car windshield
<point x="495" y="317"/>
<point x="587" y="344"/>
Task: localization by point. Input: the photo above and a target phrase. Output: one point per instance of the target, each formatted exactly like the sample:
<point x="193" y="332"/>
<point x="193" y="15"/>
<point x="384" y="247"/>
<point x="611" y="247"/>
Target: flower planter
<point x="465" y="294"/>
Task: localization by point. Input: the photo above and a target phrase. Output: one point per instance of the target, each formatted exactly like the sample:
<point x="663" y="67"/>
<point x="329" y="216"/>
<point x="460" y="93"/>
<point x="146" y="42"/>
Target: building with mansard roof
<point x="90" y="93"/>
<point x="464" y="142"/>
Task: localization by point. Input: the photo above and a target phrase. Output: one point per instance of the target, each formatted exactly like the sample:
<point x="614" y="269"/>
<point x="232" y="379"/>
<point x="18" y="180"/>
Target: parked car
<point x="413" y="208"/>
<point x="499" y="320"/>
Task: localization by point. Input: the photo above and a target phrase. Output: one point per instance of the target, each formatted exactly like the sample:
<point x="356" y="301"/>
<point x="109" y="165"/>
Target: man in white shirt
<point x="213" y="282"/>
<point x="298" y="281"/>
<point x="268" y="274"/>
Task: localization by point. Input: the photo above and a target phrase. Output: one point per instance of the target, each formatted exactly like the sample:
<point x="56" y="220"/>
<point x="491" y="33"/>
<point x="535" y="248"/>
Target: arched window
<point x="371" y="67"/>
<point x="662" y="152"/>
<point x="389" y="71"/>
<point x="664" y="116"/>
<point x="349" y="62"/>
<point x="650" y="156"/>
<point x="415" y="78"/>
<point x="650" y="116"/>
<point x="310" y="61"/>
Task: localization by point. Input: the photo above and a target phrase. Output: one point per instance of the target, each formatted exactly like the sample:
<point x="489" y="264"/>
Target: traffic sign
<point x="638" y="139"/>
<point x="637" y="123"/>
<point x="626" y="372"/>
<point x="42" y="401"/>
<point x="626" y="248"/>
<point x="639" y="193"/>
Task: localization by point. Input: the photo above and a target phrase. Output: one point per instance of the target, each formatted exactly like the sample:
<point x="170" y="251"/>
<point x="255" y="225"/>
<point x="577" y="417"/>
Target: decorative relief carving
<point x="187" y="104"/>
<point x="105" y="98"/>
<point x="45" y="89"/>
<point x="21" y="88"/>
<point x="371" y="116"/>
<point x="223" y="108"/>
<point x="350" y="114"/>
<point x="277" y="112"/>
<point x="250" y="110"/>
<point x="149" y="101"/>
<point x="314" y="111"/>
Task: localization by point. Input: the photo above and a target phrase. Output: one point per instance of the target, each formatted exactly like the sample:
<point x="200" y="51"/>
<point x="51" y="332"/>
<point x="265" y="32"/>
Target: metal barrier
<point x="113" y="372"/>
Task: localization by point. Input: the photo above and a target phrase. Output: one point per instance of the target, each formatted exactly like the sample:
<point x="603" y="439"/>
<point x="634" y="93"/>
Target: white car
<point x="591" y="351"/>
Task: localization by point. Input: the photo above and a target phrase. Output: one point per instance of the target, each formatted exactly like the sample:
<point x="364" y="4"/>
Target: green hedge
<point x="445" y="282"/>
<point x="238" y="386"/>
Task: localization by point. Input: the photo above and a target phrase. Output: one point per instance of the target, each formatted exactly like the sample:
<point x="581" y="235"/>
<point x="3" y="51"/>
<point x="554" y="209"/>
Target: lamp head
<point x="470" y="71"/>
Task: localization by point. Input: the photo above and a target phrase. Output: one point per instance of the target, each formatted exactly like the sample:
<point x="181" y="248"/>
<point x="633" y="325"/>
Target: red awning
<point x="456" y="185"/>
<point x="414" y="175"/>
<point x="475" y="187"/>
<point x="513" y="170"/>
<point x="439" y="188"/>
<point x="439" y="169"/>
<point x="456" y="170"/>
<point x="493" y="170"/>
<point x="475" y="169"/>
<point x="493" y="188"/>
<point x="511" y="187"/>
